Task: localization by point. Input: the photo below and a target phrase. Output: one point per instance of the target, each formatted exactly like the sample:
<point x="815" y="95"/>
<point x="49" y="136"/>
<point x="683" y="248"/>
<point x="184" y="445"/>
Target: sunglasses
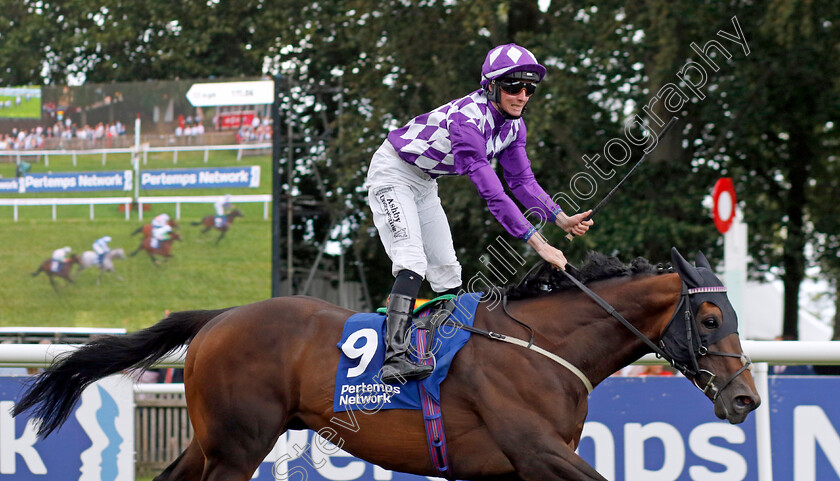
<point x="513" y="87"/>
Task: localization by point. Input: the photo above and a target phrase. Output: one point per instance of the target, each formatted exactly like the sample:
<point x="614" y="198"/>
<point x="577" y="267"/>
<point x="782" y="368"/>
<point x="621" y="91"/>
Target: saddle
<point x="430" y="316"/>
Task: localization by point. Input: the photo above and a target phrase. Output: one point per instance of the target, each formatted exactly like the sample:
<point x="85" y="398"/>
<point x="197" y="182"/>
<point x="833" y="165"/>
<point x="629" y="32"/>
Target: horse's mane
<point x="543" y="279"/>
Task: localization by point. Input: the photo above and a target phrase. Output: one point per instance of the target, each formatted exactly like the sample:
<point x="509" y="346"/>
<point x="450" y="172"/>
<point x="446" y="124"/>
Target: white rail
<point x="770" y="352"/>
<point x="203" y="199"/>
<point x="240" y="148"/>
<point x="788" y="353"/>
<point x="42" y="355"/>
<point x="177" y="200"/>
<point x="55" y="201"/>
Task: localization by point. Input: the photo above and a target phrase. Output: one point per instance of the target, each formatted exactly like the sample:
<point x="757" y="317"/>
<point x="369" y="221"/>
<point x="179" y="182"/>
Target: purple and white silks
<point x="460" y="138"/>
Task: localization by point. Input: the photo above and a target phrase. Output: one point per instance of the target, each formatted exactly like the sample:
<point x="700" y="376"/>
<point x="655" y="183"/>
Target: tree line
<point x="754" y="83"/>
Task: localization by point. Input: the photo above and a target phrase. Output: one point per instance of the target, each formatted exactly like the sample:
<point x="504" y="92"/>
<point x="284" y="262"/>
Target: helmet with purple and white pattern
<point x="506" y="60"/>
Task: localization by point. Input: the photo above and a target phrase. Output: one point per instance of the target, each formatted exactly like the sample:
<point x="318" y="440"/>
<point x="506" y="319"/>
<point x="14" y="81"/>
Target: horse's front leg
<point x="538" y="438"/>
<point x="538" y="455"/>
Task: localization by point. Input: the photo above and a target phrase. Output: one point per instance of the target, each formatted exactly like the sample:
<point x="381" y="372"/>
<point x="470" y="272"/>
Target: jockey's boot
<point x="398" y="366"/>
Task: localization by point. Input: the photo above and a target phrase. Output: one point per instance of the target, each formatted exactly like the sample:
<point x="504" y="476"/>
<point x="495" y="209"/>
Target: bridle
<point x="683" y="310"/>
<point x="691" y="329"/>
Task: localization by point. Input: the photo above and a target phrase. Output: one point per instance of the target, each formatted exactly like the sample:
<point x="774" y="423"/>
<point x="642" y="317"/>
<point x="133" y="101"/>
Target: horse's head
<point x="235" y="213"/>
<point x="118" y="253"/>
<point x="73" y="259"/>
<point x="702" y="341"/>
<point x="173" y="223"/>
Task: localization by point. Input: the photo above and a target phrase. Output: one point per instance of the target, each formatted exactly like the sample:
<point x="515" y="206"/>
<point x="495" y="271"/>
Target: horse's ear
<point x="701" y="261"/>
<point x="687" y="272"/>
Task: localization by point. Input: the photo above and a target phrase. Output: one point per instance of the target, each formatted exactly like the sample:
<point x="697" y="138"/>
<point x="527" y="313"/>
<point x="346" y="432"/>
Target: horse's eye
<point x="710" y="323"/>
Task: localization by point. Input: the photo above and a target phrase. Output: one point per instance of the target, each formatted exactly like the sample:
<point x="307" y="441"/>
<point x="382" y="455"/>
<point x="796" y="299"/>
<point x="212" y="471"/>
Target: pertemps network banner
<point x="221" y="177"/>
<point x="69" y="182"/>
<point x="655" y="428"/>
<point x="95" y="444"/>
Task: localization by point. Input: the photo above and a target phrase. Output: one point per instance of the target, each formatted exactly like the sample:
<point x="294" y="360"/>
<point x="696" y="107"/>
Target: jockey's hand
<point x="575" y="224"/>
<point x="551" y="255"/>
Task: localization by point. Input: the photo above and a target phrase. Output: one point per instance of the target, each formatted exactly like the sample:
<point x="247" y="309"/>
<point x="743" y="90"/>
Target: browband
<point x="698" y="290"/>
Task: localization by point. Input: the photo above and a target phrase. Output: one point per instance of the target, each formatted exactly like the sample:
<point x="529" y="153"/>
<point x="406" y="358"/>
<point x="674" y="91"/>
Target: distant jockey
<point x="222" y="206"/>
<point x="160" y="230"/>
<point x="100" y="246"/>
<point x="59" y="257"/>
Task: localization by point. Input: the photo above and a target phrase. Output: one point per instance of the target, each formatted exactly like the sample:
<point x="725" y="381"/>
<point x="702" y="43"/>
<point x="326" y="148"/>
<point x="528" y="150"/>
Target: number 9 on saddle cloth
<point x="358" y="385"/>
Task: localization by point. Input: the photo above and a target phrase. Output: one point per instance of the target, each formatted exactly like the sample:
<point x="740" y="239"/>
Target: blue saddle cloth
<point x="357" y="384"/>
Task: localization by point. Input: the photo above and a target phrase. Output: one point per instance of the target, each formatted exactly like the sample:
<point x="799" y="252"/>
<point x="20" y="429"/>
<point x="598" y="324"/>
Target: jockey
<point x="222" y="207"/>
<point x="59" y="257"/>
<point x="160" y="229"/>
<point x="458" y="138"/>
<point x="100" y="246"/>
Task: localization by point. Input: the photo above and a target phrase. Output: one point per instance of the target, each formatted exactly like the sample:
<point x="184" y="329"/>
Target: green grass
<point x="28" y="109"/>
<point x="201" y="275"/>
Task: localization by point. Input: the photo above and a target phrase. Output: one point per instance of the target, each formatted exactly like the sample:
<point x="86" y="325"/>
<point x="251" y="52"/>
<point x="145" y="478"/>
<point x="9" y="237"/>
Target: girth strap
<point x="432" y="416"/>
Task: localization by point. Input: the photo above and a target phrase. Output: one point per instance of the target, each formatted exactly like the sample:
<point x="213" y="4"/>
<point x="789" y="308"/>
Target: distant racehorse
<point x="164" y="249"/>
<point x="63" y="272"/>
<point x="209" y="222"/>
<point x="90" y="258"/>
<point x="147" y="228"/>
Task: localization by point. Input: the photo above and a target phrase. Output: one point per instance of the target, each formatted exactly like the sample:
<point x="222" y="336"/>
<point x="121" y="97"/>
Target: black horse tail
<point x="52" y="394"/>
<point x="139" y="230"/>
<point x="38" y="271"/>
<point x="196" y="223"/>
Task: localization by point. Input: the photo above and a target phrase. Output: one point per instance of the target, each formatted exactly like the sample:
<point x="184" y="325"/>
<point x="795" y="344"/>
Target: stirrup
<point x="401" y="370"/>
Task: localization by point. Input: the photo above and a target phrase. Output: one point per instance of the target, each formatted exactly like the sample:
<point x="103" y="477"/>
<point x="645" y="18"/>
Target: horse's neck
<point x="585" y="334"/>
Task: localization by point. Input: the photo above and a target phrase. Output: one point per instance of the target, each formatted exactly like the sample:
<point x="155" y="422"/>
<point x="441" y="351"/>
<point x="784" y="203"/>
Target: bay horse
<point x="63" y="272"/>
<point x="146" y="229"/>
<point x="90" y="258"/>
<point x="164" y="249"/>
<point x="510" y="413"/>
<point x="209" y="222"/>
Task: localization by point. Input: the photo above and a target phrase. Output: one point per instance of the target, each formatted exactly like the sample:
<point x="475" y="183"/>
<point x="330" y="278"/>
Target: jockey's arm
<point x="468" y="148"/>
<point x="548" y="252"/>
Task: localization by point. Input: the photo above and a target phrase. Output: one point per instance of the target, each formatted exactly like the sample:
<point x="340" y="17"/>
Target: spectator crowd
<point x="34" y="138"/>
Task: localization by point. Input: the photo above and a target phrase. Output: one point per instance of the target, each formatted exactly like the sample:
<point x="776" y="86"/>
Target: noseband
<point x="694" y="371"/>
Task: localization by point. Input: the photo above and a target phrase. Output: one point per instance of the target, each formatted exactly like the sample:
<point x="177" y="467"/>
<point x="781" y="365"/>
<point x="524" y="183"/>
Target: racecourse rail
<point x="46" y="154"/>
<point x="127" y="201"/>
<point x="762" y="353"/>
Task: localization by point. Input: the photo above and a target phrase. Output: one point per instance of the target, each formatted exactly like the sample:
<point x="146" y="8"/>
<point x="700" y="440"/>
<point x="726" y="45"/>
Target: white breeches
<point x="411" y="222"/>
<point x="160" y="232"/>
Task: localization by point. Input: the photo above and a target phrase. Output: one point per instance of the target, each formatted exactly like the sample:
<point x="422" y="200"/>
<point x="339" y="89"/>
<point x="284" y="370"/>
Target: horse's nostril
<point x="747" y="403"/>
